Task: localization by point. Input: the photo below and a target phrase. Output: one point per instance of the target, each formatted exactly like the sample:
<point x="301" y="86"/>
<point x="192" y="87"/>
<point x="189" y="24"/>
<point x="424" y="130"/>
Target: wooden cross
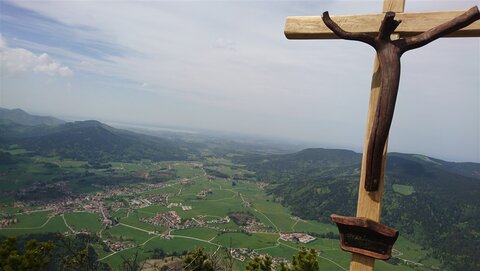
<point x="390" y="38"/>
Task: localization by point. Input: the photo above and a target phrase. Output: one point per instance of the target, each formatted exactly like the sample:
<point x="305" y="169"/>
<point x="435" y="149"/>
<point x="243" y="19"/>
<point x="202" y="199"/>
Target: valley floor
<point x="193" y="209"/>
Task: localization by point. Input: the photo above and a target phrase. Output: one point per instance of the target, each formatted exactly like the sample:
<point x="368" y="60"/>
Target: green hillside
<point x="89" y="140"/>
<point x="431" y="201"/>
<point x="21" y="117"/>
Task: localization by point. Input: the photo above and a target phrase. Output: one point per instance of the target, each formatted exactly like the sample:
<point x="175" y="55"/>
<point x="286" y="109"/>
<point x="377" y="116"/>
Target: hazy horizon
<point x="226" y="66"/>
<point x="291" y="144"/>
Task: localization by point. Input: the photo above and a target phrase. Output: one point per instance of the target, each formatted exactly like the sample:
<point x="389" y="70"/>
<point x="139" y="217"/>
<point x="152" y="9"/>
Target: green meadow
<point x="223" y="196"/>
<point x="84" y="221"/>
<point x="405" y="190"/>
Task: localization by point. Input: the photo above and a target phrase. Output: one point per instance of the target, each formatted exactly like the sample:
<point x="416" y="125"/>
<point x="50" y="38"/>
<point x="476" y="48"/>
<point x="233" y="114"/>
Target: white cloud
<point x="19" y="60"/>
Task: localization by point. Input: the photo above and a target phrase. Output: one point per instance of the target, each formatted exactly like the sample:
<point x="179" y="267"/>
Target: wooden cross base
<point x="364" y="236"/>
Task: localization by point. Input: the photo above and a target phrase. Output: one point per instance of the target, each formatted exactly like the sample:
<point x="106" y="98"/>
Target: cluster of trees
<point x="50" y="252"/>
<point x="7" y="159"/>
<point x="35" y="255"/>
<point x="56" y="252"/>
<point x="241" y="218"/>
<point x="200" y="260"/>
<point x="305" y="260"/>
<point x="216" y="173"/>
<point x="159" y="253"/>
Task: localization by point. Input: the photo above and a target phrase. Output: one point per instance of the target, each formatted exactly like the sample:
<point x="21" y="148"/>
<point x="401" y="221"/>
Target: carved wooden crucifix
<point x="390" y="38"/>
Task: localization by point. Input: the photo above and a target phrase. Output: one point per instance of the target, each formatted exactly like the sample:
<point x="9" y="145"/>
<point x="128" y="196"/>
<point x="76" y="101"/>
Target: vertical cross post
<point x="370" y="203"/>
<point x="390" y="41"/>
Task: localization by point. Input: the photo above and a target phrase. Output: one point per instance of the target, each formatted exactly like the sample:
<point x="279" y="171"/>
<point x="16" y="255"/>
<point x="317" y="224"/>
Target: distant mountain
<point x="90" y="140"/>
<point x="467" y="169"/>
<point x="21" y="117"/>
<point x="433" y="202"/>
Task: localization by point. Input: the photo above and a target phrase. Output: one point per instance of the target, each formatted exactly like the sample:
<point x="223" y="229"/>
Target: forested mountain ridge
<point x="90" y="140"/>
<point x="433" y="202"/>
<point x="467" y="169"/>
<point x="21" y="117"/>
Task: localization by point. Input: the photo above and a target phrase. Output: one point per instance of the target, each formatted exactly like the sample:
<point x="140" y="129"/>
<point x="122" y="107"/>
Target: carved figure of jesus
<point x="389" y="53"/>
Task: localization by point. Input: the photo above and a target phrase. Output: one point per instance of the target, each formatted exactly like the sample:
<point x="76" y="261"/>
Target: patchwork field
<point x="136" y="219"/>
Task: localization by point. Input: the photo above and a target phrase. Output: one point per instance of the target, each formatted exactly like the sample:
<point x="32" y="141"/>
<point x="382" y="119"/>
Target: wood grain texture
<point x="365" y="236"/>
<point x="389" y="52"/>
<point x="369" y="204"/>
<point x="364" y="222"/>
<point x="312" y="27"/>
<point x="388" y="55"/>
<point x="393" y="5"/>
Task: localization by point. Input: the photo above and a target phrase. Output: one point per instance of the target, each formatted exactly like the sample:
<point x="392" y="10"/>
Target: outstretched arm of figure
<point x="444" y="29"/>
<point x="363" y="37"/>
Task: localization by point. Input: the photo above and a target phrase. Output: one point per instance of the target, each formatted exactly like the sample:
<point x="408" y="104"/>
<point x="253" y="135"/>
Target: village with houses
<point x="114" y="204"/>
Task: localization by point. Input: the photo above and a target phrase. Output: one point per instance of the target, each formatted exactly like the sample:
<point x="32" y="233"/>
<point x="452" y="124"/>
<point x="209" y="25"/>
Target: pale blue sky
<point x="226" y="65"/>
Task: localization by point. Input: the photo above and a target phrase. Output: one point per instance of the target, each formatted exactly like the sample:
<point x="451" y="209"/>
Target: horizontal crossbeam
<point x="312" y="27"/>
